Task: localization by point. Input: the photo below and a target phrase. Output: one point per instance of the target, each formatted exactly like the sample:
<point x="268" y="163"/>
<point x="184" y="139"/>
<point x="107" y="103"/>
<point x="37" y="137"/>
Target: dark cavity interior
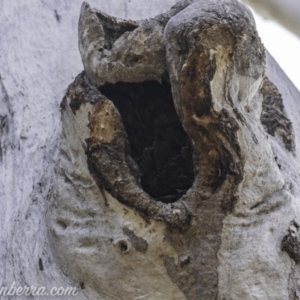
<point x="158" y="143"/>
<point x="112" y="29"/>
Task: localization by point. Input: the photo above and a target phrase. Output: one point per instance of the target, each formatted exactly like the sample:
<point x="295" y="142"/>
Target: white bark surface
<point x="39" y="58"/>
<point x="284" y="12"/>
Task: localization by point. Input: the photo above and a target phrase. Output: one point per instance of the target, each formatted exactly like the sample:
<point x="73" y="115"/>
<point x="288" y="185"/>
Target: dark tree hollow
<point x="158" y="142"/>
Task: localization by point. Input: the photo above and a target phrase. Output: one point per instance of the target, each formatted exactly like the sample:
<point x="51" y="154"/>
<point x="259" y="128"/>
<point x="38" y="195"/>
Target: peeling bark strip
<point x="167" y="119"/>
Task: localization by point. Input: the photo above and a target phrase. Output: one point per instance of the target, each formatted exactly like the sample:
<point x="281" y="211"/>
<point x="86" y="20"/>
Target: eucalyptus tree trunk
<point x="170" y="168"/>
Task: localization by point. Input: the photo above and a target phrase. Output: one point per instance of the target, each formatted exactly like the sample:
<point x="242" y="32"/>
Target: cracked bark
<point x="176" y="173"/>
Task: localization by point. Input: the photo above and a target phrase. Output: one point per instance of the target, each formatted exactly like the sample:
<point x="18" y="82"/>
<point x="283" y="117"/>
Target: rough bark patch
<point x="273" y="116"/>
<point x="290" y="243"/>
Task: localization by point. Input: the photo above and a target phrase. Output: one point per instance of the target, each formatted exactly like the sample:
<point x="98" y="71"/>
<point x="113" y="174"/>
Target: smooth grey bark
<point x="232" y="235"/>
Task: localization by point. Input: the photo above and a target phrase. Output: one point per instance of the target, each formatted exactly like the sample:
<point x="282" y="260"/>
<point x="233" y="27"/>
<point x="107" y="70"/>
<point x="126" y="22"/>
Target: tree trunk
<point x="176" y="160"/>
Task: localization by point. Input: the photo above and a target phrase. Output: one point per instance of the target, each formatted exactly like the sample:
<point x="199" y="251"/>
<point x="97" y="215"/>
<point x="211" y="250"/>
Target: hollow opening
<point x="158" y="143"/>
<point x="123" y="247"/>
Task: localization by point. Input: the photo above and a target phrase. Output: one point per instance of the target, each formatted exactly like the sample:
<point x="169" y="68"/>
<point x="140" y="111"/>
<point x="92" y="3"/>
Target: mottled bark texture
<point x="174" y="177"/>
